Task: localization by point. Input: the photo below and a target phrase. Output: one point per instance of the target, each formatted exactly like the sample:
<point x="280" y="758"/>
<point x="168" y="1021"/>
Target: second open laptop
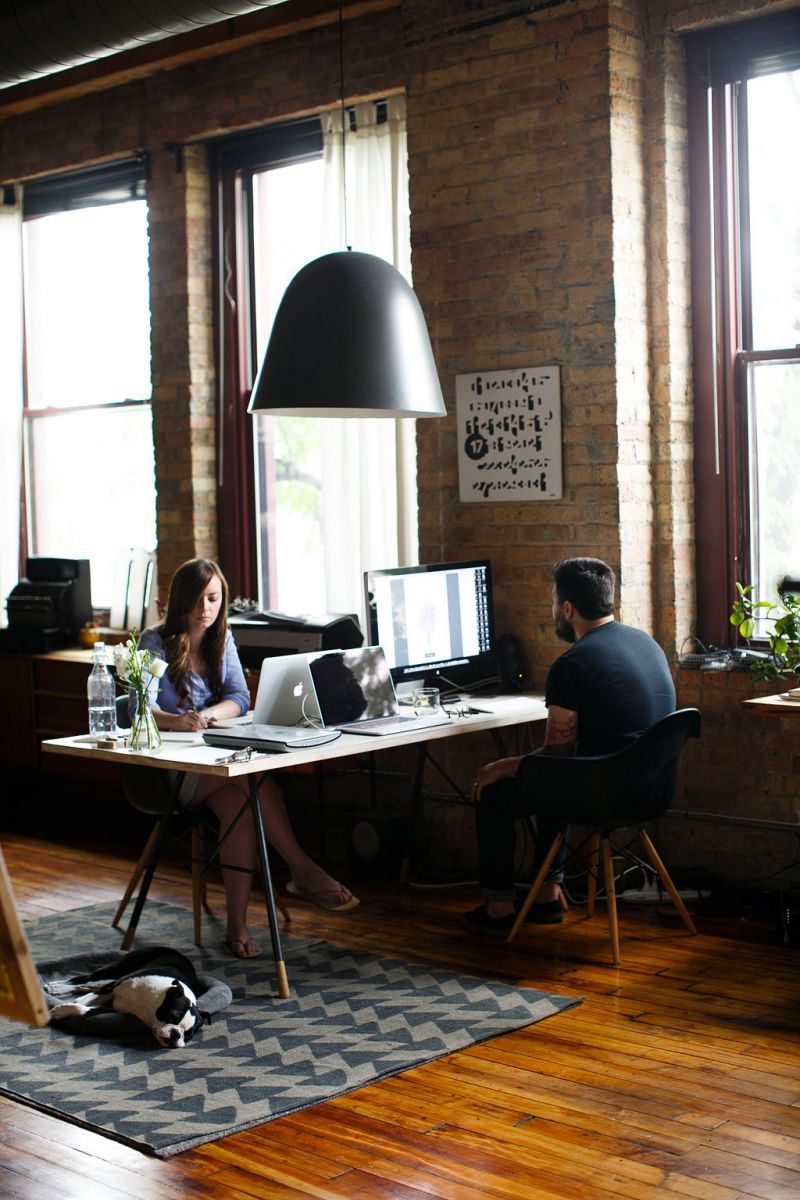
<point x="355" y="693"/>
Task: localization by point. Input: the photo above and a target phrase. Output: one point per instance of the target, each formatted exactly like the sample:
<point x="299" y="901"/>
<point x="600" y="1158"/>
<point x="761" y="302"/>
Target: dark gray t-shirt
<point x="618" y="681"/>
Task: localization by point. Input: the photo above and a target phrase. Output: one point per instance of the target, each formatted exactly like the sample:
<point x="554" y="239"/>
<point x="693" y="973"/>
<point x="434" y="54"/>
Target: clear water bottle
<point x="101" y="693"/>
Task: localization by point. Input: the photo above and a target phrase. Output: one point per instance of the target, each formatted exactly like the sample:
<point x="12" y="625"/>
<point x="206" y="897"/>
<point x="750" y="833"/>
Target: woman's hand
<point x="188" y="722"/>
<point x="503" y="768"/>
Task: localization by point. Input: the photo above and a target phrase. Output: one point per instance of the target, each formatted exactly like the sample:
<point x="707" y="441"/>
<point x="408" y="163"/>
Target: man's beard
<point x="564" y="630"/>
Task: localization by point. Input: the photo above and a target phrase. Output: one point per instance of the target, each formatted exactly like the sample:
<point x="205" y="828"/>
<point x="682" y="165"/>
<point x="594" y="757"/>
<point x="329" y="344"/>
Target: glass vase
<point x="145" y="733"/>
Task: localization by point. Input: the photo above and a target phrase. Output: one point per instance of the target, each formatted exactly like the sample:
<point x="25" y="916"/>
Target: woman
<point x="204" y="683"/>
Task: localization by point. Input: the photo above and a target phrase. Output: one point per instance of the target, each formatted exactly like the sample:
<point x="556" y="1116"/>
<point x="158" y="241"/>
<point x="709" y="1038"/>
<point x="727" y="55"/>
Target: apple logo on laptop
<point x="297" y="690"/>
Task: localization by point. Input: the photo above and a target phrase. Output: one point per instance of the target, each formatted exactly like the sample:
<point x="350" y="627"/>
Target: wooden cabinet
<point x="42" y="696"/>
<point x="18" y="746"/>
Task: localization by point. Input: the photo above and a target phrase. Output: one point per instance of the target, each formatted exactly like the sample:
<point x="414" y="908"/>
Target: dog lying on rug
<point x="156" y="984"/>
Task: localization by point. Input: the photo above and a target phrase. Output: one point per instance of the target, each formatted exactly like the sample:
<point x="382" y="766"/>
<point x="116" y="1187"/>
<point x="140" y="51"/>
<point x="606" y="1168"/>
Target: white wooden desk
<point x="199" y="759"/>
<point x="774" y="704"/>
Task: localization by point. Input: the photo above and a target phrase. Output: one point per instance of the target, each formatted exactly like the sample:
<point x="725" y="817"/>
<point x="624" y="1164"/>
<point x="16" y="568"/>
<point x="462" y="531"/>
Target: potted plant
<point x="784" y="639"/>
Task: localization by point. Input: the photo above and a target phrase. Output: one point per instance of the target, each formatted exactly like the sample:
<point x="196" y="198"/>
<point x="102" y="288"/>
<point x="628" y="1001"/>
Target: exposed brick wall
<point x="183" y="361"/>
<point x="634" y="442"/>
<point x="509" y="160"/>
<point x="745" y="766"/>
<point x="669" y="314"/>
<point x="548" y="176"/>
<point x="254" y="86"/>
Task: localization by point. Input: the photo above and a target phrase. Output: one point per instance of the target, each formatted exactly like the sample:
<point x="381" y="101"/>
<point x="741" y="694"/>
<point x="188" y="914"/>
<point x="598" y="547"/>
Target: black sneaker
<point x="549" y="913"/>
<point x="479" y="921"/>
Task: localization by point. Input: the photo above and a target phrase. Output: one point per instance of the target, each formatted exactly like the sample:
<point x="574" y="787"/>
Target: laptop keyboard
<point x="380" y="723"/>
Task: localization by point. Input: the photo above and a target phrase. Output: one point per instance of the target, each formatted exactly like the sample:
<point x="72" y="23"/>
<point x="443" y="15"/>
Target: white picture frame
<point x="509" y="435"/>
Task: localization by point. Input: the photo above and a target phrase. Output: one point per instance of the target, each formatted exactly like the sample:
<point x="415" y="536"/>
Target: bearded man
<point x="610" y="686"/>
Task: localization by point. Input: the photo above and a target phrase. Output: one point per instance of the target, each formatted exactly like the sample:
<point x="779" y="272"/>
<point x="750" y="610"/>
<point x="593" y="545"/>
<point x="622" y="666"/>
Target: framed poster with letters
<point x="509" y="434"/>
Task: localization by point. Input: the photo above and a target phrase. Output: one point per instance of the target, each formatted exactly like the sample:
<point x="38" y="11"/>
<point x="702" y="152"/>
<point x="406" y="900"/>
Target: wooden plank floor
<point x="679" y="1075"/>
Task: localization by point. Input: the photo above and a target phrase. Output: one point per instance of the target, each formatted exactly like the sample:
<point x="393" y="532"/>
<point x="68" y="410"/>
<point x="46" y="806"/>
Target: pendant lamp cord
<point x="341" y="94"/>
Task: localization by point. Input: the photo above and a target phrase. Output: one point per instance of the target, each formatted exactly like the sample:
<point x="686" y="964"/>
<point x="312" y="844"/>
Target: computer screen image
<point x="434" y="622"/>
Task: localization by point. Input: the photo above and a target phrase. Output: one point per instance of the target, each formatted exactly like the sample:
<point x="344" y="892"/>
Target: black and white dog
<point x="156" y="984"/>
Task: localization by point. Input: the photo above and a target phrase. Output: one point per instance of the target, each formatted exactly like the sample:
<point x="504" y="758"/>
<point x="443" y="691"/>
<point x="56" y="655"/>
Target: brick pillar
<point x="183" y="359"/>
<point x="671" y="334"/>
<point x="631" y="333"/>
<point x="510" y="176"/>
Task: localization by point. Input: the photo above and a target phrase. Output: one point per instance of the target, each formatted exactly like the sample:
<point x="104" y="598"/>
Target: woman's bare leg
<point x="240" y="850"/>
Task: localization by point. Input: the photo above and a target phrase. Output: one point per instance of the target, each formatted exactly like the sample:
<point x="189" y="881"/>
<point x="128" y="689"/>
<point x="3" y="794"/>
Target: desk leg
<point x="155" y="853"/>
<point x="422" y="757"/>
<point x="274" y="931"/>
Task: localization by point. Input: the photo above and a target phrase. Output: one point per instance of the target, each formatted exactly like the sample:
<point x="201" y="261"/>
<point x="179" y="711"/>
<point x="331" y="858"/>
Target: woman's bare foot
<point x="324" y="891"/>
<point x="317" y="882"/>
<point x="242" y="944"/>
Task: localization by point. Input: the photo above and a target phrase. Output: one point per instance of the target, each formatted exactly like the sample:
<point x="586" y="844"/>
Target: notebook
<point x="355" y="693"/>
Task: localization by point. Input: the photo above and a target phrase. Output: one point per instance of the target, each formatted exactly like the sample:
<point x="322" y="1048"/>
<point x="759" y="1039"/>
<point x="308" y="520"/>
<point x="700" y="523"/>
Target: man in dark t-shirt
<point x="611" y="685"/>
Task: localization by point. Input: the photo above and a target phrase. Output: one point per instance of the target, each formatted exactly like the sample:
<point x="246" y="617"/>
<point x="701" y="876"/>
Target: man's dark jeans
<point x="504" y="802"/>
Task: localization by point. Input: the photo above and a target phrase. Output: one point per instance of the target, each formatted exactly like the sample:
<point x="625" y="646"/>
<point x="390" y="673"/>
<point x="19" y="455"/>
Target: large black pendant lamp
<point x="349" y="339"/>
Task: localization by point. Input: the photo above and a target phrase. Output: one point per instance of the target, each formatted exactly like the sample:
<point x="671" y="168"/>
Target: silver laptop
<point x="285" y="694"/>
<point x="355" y="693"/>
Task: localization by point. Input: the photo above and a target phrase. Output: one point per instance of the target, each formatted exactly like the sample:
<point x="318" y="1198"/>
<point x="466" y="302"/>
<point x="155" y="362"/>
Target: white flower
<point x="121" y="660"/>
<point x="136" y="667"/>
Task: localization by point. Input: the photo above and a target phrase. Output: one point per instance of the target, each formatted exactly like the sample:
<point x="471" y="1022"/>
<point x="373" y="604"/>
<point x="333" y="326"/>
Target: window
<point x="292" y="489"/>
<point x="744" y="133"/>
<point x="88" y="432"/>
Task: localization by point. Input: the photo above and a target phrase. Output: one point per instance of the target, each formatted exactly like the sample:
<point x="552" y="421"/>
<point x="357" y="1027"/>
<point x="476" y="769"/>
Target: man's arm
<point x="502" y="768"/>
<point x="560" y="740"/>
<point x="561" y="734"/>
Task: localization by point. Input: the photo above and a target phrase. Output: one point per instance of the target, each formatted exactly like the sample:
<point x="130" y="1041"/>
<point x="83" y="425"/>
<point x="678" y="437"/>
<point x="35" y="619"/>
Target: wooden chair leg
<point x="665" y="878"/>
<point x="198" y="881"/>
<point x="138" y="871"/>
<point x="562" y="900"/>
<point x="594" y="866"/>
<point x="536" y="886"/>
<point x="611" y="900"/>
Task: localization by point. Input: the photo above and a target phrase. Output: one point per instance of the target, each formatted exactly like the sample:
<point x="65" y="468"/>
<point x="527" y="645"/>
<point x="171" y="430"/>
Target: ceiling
<point x="40" y="38"/>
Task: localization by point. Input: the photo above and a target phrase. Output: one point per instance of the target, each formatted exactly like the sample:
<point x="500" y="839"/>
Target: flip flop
<point x="231" y="944"/>
<point x="318" y="898"/>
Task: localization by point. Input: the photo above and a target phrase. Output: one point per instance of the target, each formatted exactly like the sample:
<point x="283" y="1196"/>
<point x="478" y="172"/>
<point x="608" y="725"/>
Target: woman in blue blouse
<point x="204" y="683"/>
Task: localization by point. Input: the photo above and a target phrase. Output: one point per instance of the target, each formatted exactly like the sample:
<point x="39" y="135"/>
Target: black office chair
<point x="608" y="793"/>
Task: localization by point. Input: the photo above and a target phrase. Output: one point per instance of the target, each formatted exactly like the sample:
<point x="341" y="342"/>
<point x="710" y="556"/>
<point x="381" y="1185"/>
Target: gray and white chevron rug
<point x="353" y="1018"/>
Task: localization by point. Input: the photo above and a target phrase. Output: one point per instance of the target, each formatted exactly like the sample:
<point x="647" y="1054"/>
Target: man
<point x="611" y="685"/>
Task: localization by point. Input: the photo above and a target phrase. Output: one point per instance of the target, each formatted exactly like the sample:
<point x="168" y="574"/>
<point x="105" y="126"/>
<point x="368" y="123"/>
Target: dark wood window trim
<point x="234" y="162"/>
<point x="722" y="326"/>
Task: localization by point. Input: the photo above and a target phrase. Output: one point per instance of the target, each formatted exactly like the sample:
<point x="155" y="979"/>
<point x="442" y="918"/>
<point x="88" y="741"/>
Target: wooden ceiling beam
<point x="209" y="42"/>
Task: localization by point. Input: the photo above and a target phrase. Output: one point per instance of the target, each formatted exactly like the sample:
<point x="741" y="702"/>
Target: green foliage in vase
<point x="783" y="615"/>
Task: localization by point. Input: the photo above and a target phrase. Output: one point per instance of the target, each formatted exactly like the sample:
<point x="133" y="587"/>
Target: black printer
<point x="259" y="635"/>
<point x="48" y="607"/>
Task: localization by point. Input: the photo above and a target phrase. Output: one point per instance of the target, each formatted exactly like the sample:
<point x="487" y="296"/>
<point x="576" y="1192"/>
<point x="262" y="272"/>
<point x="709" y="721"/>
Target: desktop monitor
<point x="434" y="622"/>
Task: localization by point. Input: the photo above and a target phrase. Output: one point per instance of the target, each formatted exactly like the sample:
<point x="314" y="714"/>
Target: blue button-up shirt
<point x="162" y="691"/>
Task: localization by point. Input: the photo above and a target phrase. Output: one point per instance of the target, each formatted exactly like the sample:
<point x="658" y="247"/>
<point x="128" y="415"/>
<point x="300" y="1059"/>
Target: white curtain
<point x="11" y="398"/>
<point x="369" y="498"/>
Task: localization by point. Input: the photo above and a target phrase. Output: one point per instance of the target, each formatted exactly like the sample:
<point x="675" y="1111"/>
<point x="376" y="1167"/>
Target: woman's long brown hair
<point x="188" y="584"/>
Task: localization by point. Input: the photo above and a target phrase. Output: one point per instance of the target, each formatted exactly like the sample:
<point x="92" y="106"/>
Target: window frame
<point x="104" y="184"/>
<point x="718" y="63"/>
<point x="234" y="162"/>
